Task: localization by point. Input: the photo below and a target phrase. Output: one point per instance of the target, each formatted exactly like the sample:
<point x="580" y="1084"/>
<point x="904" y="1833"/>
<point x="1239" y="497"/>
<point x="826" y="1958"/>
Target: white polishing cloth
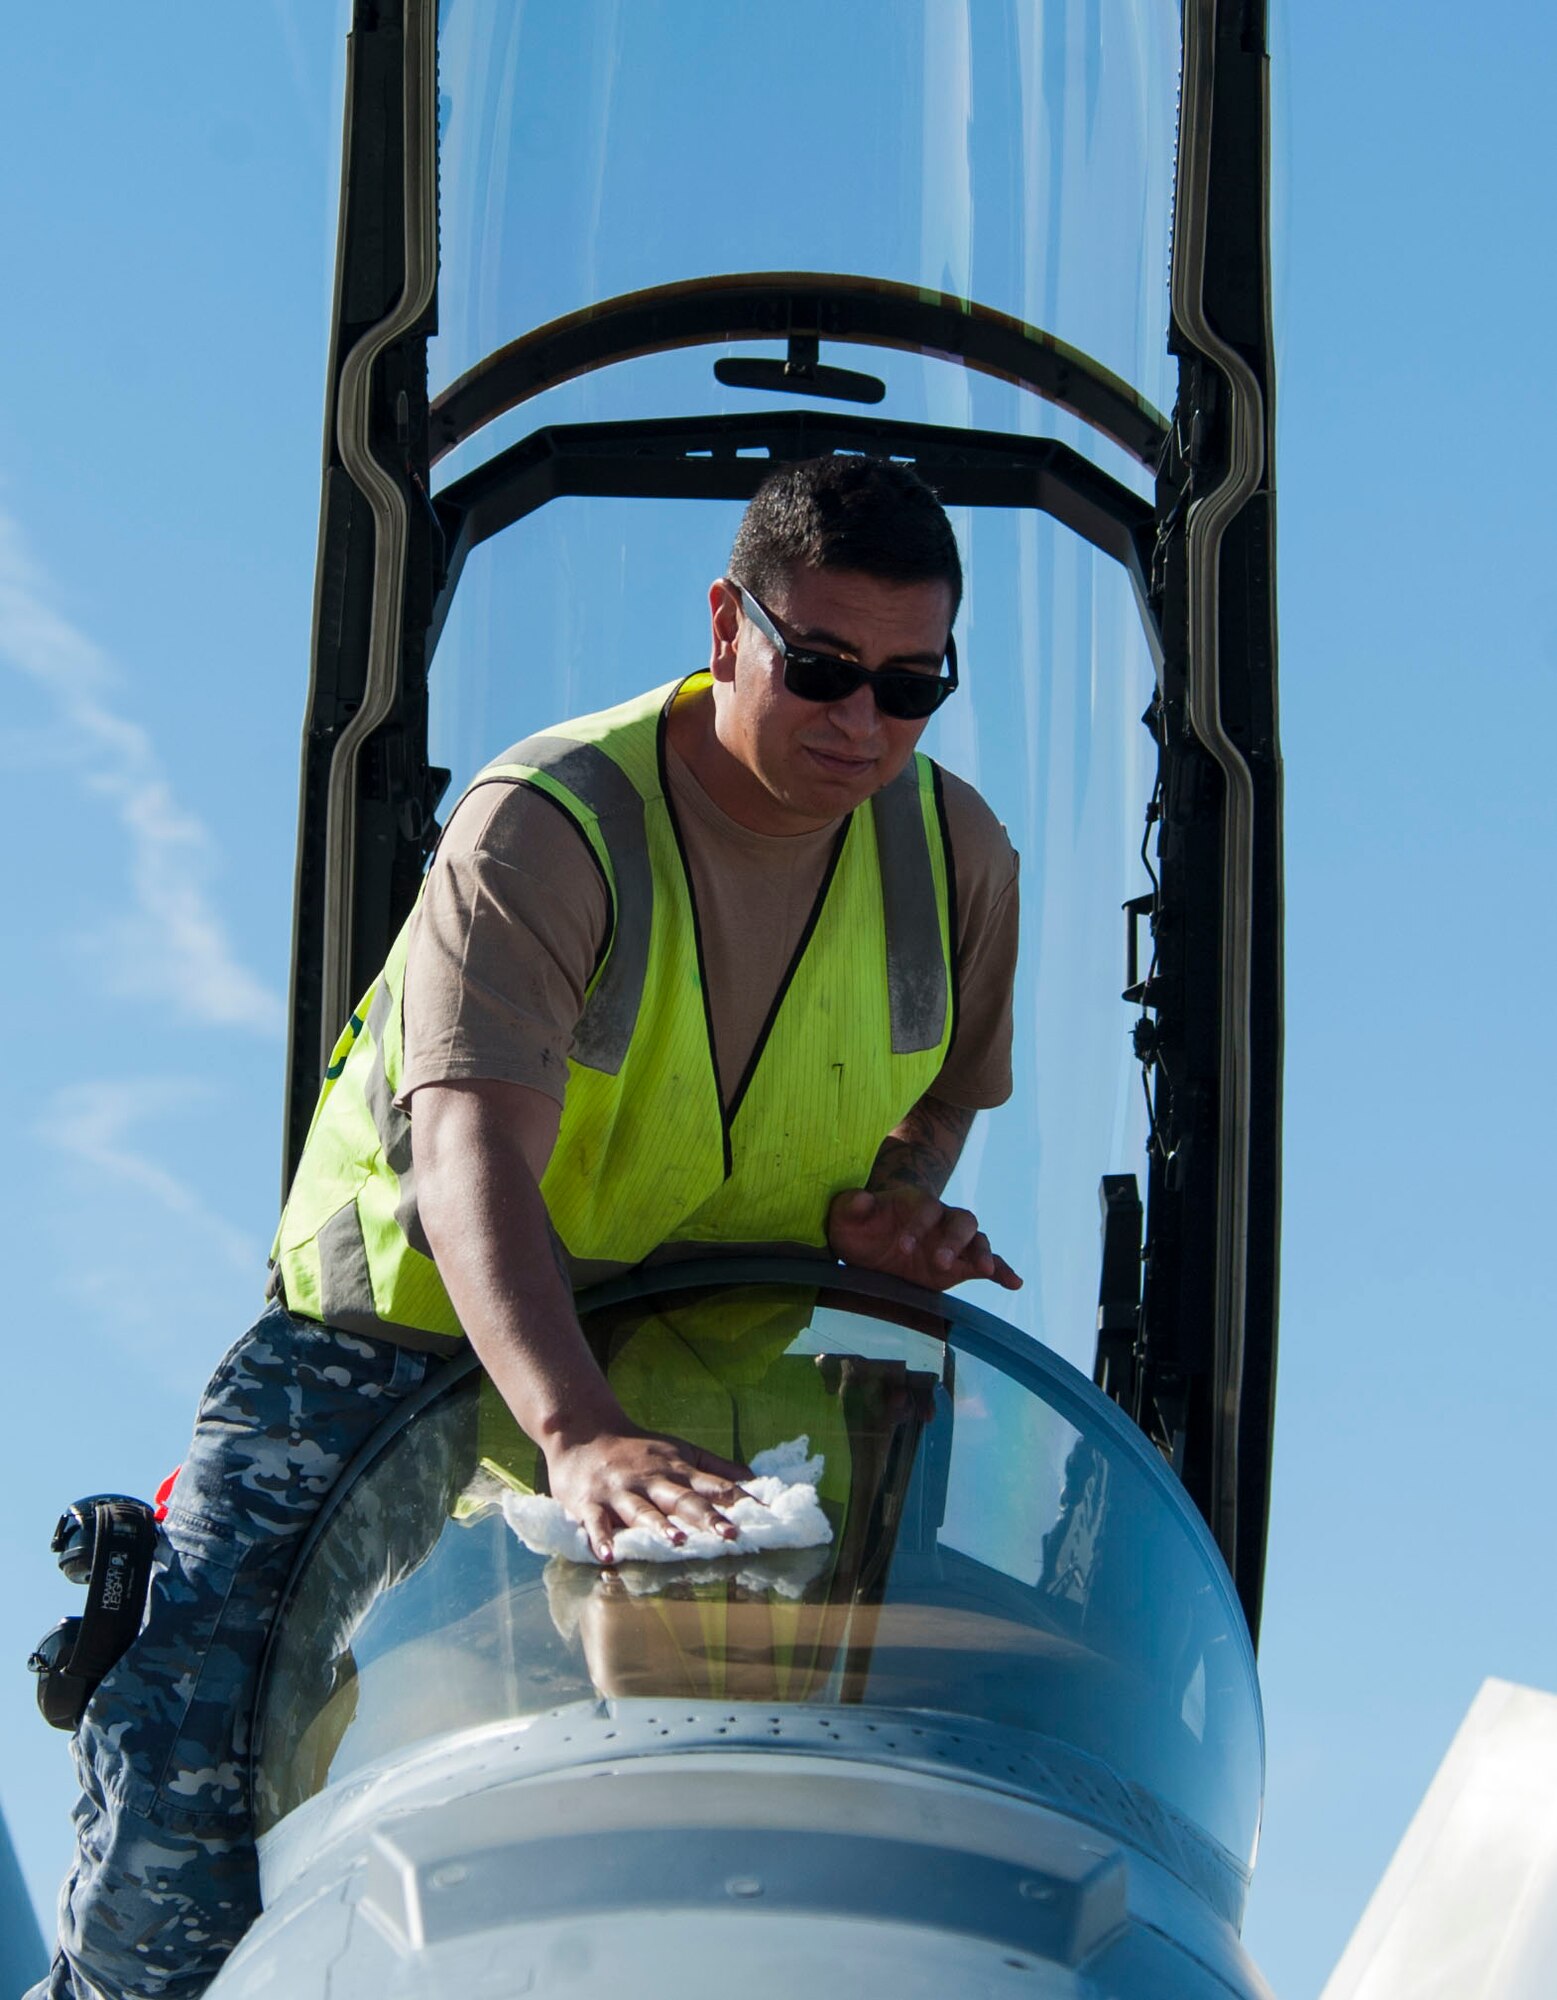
<point x="778" y="1509"/>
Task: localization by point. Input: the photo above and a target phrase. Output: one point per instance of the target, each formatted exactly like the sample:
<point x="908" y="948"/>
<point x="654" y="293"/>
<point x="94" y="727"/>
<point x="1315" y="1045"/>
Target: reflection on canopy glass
<point x="1003" y="1549"/>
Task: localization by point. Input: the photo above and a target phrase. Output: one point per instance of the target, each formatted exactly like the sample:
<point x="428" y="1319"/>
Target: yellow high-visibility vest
<point x="648" y="1157"/>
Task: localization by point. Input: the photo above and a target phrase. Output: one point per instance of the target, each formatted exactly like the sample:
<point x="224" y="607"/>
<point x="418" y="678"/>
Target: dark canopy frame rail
<point x="784" y="305"/>
<point x="700" y="458"/>
<point x="1190" y="1352"/>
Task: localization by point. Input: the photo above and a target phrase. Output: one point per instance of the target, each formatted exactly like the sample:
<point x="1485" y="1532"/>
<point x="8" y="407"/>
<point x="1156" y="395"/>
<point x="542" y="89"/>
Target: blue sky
<point x="166" y="191"/>
<point x="168" y="221"/>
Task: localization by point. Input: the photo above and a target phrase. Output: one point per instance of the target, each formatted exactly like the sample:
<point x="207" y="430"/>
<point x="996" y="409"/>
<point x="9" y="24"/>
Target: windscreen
<point x="999" y="1546"/>
<point x="1015" y="155"/>
<point x="1014" y="152"/>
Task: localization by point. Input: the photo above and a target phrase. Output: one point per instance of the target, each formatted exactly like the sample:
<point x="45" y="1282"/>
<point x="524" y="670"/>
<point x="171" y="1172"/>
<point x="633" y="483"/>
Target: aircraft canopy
<point x="1009" y="1560"/>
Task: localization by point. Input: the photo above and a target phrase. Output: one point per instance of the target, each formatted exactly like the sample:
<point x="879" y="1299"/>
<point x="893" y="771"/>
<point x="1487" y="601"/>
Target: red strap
<point x="164" y="1494"/>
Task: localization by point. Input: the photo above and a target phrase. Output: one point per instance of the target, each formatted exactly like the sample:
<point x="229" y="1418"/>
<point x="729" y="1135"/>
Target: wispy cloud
<point x="95" y="1122"/>
<point x="181" y="951"/>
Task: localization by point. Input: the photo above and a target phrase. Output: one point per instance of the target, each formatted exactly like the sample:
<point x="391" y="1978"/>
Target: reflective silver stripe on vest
<point x="345" y="1282"/>
<point x="346" y="1289"/>
<point x="916" y="965"/>
<point x="605" y="1028"/>
<point x="393" y="1125"/>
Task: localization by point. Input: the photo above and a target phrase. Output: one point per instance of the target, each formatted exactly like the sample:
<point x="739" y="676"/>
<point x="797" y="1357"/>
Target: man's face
<point x="792" y="765"/>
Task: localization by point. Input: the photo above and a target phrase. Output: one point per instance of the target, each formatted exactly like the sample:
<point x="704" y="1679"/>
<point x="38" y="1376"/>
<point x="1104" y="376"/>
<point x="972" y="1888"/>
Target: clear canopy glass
<point x="1014" y="153"/>
<point x="1004" y="1547"/>
<point x="590" y="601"/>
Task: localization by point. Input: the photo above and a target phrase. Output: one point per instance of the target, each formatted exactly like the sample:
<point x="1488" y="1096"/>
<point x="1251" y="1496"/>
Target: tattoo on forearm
<point x="924" y="1148"/>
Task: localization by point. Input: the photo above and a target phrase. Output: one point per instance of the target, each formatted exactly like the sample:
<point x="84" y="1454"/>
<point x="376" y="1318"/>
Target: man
<point x="726" y="964"/>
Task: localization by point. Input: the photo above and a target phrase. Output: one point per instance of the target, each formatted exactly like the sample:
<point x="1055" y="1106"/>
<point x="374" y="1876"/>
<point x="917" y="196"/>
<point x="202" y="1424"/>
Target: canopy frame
<point x="1197" y="1369"/>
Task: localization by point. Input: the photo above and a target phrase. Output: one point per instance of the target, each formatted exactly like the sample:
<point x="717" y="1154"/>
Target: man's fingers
<point x="730" y="1470"/>
<point x="662" y="1484"/>
<point x="959" y="1232"/>
<point x="690" y="1510"/>
<point x="690" y="1505"/>
<point x="720" y="1480"/>
<point x="639" y="1511"/>
<point x="683" y="1496"/>
<point x="929" y="1217"/>
<point x="720" y="1491"/>
<point x="598" y="1524"/>
<point x="982" y="1262"/>
<point x="978" y="1256"/>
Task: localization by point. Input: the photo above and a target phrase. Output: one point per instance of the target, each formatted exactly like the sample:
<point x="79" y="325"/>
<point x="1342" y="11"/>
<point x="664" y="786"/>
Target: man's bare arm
<point x="922" y="1151"/>
<point x="898" y="1222"/>
<point x="480" y="1149"/>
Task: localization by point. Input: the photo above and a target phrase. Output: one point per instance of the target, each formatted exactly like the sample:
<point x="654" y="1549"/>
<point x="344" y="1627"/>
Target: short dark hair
<point x="846" y="511"/>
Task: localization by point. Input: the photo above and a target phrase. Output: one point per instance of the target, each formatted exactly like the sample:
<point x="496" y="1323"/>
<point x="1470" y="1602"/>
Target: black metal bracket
<point x="728" y="457"/>
<point x="1136" y="989"/>
<point x="1119" y="1291"/>
<point x="802" y="368"/>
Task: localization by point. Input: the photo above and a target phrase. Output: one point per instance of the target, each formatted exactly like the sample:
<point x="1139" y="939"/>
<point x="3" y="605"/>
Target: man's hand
<point x="900" y="1224"/>
<point x="638" y="1479"/>
<point x="480" y="1150"/>
<point x="914" y="1235"/>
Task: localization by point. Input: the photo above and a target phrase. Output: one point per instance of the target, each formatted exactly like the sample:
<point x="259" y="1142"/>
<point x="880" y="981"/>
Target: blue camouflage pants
<point x="165" y="1881"/>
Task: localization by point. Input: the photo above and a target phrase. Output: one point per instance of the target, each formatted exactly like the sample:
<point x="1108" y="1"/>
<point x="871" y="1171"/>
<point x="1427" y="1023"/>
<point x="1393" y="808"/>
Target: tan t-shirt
<point x="514" y="917"/>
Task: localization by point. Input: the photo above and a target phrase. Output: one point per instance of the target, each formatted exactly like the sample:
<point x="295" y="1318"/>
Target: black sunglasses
<point x="898" y="691"/>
